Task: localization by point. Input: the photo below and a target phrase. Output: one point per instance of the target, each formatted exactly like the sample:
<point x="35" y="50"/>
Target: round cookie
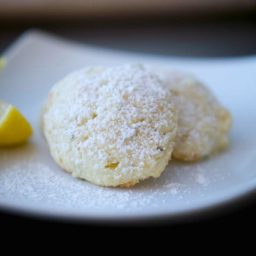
<point x="203" y="124"/>
<point x="111" y="126"/>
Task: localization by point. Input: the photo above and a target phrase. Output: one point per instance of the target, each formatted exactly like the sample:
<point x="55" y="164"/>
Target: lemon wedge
<point x="14" y="128"/>
<point x="2" y="63"/>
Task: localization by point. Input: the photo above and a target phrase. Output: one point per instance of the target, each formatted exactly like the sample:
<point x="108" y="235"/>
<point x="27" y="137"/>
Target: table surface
<point x="194" y="38"/>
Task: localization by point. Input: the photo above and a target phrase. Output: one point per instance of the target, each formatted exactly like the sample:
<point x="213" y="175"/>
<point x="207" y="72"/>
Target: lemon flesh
<point x="14" y="128"/>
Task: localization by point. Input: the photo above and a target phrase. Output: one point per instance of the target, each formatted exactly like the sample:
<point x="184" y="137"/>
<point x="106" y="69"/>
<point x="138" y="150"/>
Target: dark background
<point x="212" y="36"/>
<point x="222" y="35"/>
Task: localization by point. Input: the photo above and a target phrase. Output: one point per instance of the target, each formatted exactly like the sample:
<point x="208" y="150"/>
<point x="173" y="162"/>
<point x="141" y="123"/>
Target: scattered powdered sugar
<point x="35" y="181"/>
<point x="29" y="175"/>
<point x="201" y="179"/>
<point x="174" y="188"/>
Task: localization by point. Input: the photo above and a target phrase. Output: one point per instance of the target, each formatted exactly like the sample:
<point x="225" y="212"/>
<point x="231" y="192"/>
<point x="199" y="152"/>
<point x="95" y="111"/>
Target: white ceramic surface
<point x="32" y="183"/>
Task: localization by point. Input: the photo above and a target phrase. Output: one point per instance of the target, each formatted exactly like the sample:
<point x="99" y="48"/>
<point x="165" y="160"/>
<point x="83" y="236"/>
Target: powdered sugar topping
<point x="121" y="115"/>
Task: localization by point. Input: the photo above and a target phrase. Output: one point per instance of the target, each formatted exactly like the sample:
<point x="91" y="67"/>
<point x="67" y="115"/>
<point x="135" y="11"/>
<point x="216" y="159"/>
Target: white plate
<point x="31" y="182"/>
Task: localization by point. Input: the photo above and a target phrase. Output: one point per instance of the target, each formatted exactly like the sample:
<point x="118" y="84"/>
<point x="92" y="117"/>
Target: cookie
<point x="203" y="123"/>
<point x="112" y="126"/>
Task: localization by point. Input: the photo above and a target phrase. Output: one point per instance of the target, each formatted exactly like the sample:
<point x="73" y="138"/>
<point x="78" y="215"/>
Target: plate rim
<point x="217" y="208"/>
